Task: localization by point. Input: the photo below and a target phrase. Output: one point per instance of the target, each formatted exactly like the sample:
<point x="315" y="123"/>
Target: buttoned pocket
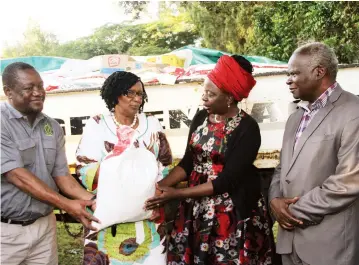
<point x="50" y="153"/>
<point x="320" y="138"/>
<point x="27" y="150"/>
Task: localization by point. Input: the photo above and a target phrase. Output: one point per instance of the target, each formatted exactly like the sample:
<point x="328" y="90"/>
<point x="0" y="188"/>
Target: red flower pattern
<point x="206" y="230"/>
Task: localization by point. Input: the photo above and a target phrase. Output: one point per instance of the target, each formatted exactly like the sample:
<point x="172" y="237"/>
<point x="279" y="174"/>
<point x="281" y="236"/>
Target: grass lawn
<point x="70" y="249"/>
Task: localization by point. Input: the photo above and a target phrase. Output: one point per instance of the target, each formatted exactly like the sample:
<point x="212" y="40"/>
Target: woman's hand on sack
<point x="155" y="215"/>
<point x="163" y="194"/>
<point x="156" y="212"/>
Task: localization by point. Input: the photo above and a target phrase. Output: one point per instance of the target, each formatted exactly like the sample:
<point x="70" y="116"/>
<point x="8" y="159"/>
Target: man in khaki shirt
<point x="33" y="168"/>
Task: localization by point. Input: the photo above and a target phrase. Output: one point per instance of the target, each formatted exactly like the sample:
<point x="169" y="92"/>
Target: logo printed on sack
<point x="48" y="129"/>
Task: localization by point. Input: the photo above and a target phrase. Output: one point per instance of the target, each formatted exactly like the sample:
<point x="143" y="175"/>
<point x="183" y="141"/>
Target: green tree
<point x="172" y="31"/>
<point x="271" y="29"/>
<point x="283" y="26"/>
<point x="135" y="8"/>
<point x="168" y="33"/>
<point x="224" y="26"/>
<point x="276" y="29"/>
<point x="104" y="40"/>
<point x="36" y="42"/>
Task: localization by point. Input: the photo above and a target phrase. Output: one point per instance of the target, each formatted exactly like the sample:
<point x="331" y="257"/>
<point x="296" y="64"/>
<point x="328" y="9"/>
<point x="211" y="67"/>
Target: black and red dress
<point x="214" y="230"/>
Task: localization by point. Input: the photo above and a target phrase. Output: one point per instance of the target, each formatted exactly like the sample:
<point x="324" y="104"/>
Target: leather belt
<point x="23" y="223"/>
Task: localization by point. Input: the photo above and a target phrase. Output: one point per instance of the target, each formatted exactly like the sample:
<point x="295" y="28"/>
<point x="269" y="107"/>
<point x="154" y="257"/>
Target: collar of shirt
<point x="321" y="102"/>
<point x="15" y="114"/>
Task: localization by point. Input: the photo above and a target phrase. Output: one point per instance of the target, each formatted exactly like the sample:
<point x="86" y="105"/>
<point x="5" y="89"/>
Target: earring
<point x="229" y="105"/>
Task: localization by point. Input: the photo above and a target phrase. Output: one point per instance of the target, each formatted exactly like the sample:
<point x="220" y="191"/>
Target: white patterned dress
<point x="98" y="140"/>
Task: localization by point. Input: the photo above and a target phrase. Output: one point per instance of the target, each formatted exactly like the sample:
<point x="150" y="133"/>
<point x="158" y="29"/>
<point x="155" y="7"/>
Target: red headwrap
<point x="229" y="76"/>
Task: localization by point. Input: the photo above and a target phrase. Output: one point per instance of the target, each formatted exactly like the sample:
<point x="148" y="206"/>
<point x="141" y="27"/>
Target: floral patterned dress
<point x="206" y="230"/>
<point x="106" y="247"/>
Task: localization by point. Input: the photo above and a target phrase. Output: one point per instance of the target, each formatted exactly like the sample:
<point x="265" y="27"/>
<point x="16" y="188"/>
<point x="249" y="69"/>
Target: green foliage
<point x="36" y="42"/>
<point x="271" y="29"/>
<point x="135" y="8"/>
<point x="276" y="29"/>
<point x="170" y="32"/>
<point x="283" y="26"/>
<point x="147" y="50"/>
<point x="223" y="25"/>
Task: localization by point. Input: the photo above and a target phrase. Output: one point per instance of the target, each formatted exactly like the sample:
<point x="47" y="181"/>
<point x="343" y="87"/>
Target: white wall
<point x="187" y="97"/>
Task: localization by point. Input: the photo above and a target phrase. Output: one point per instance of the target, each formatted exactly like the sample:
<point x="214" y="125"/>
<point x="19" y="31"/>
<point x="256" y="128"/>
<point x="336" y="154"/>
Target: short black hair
<point x="118" y="84"/>
<point x="9" y="76"/>
<point x="244" y="63"/>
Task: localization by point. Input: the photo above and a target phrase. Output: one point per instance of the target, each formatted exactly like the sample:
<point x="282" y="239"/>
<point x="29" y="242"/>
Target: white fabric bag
<point x="125" y="183"/>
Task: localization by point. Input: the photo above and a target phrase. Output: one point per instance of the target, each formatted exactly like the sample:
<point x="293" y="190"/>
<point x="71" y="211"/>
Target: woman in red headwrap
<point x="222" y="217"/>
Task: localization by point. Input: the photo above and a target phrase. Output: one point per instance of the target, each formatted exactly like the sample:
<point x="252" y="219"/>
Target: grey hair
<point x="322" y="55"/>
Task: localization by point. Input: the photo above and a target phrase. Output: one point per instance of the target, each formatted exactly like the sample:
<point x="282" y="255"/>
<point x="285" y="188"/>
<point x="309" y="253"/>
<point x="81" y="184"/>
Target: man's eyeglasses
<point x="133" y="94"/>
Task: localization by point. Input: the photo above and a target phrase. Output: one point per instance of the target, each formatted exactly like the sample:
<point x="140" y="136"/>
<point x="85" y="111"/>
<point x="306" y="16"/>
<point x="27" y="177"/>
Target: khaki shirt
<point x="40" y="149"/>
